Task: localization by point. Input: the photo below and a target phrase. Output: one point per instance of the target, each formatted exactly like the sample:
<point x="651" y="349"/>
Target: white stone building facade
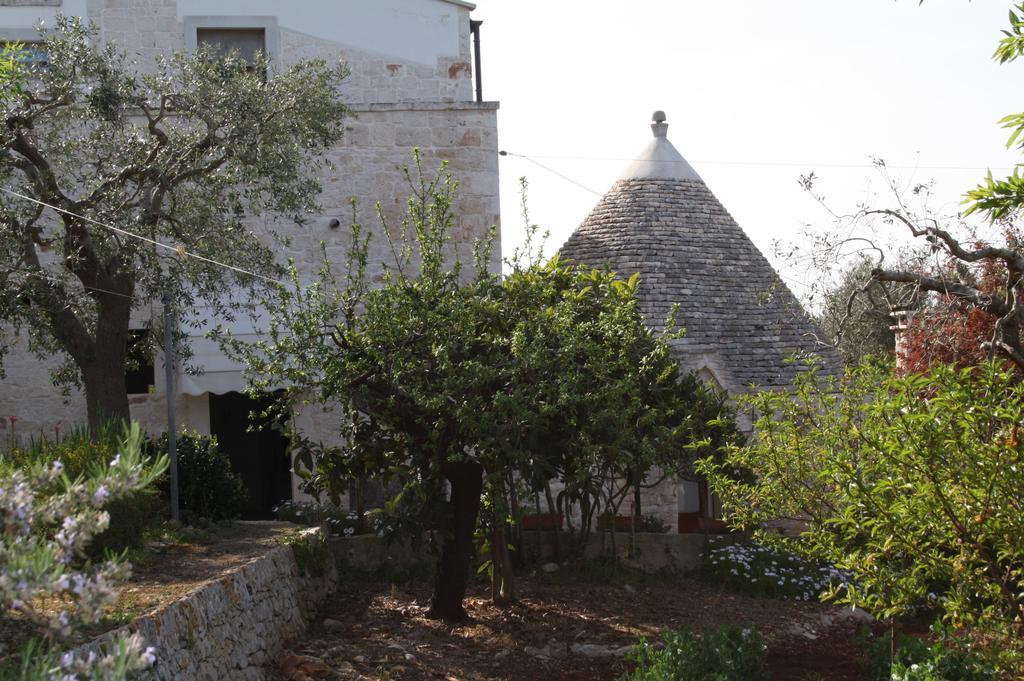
<point x="411" y="84"/>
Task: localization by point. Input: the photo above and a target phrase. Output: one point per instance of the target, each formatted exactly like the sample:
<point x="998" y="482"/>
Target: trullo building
<point x="742" y="323"/>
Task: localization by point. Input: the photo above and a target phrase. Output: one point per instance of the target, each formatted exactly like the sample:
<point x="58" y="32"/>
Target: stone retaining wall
<point x="232" y="626"/>
<point x="654" y="552"/>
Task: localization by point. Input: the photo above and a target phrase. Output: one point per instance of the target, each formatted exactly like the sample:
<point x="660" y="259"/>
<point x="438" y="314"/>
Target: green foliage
<point x="913" y="659"/>
<point x="36" y="660"/>
<point x="726" y="654"/>
<point x="549" y="369"/>
<point x="855" y="313"/>
<point x="1002" y="199"/>
<point x="197" y="146"/>
<point x="652" y="523"/>
<point x="750" y="568"/>
<point x="12" y="72"/>
<point x="131" y="521"/>
<point x="207" y="486"/>
<point x="1012" y="45"/>
<point x="87" y="453"/>
<point x="446" y="372"/>
<point x="914" y="485"/>
<point x="316" y="514"/>
<point x="311" y="554"/>
<point x="48" y="520"/>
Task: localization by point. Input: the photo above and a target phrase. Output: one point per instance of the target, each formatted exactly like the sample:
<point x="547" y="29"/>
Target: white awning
<point x="218" y="374"/>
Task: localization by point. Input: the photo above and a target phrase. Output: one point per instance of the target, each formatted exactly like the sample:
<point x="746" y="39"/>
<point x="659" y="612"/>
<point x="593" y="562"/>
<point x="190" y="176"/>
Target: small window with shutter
<point x="246" y="41"/>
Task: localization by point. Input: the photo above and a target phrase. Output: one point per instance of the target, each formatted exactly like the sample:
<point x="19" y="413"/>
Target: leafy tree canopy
<point x="913" y="484"/>
<point x="119" y="188"/>
<point x="456" y="377"/>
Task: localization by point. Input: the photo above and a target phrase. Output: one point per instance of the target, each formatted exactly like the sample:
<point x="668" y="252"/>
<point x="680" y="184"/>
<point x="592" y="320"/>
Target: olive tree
<point x="118" y="188"/>
<point x="965" y="289"/>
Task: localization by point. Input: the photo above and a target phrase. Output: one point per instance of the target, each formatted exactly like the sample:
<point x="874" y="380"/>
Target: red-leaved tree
<point x="959" y="321"/>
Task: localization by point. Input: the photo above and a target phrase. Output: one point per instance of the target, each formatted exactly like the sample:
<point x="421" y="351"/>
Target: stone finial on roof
<point x="660" y="160"/>
<point x="659" y="127"/>
<point x="661" y="220"/>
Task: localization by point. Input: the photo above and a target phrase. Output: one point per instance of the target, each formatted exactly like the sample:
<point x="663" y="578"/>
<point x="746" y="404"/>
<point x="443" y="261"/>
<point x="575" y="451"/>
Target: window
<point x="245" y="34"/>
<point x="139" y="375"/>
<point x="245" y="41"/>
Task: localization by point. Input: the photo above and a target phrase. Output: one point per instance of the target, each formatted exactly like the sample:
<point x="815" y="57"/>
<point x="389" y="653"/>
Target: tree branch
<point x="964" y="292"/>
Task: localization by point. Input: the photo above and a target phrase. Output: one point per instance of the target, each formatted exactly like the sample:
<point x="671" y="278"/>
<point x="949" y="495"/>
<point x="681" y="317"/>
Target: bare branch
<point x="1011" y="257"/>
<point x="964" y="292"/>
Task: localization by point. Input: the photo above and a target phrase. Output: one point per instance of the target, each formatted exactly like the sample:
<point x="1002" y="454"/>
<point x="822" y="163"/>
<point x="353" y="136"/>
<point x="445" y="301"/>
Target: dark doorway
<point x="258" y="452"/>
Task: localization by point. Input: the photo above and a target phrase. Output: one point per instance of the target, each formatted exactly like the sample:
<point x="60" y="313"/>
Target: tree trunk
<point x="452" y="573"/>
<point x="503" y="588"/>
<point x="517" y="518"/>
<point x="106" y="397"/>
<point x="556" y="526"/>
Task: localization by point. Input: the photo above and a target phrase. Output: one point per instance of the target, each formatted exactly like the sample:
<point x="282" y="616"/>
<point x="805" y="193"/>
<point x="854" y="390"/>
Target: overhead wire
<point x="41" y="274"/>
<point x="551" y="170"/>
<point x="178" y="250"/>
<point x="793" y="164"/>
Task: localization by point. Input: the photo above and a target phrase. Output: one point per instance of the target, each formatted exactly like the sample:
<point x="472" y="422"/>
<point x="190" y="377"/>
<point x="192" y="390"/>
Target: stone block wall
<point x="233" y="626"/>
<point x="655" y="552"/>
<point x="398" y="103"/>
<point x="149" y="29"/>
<point x="377" y="78"/>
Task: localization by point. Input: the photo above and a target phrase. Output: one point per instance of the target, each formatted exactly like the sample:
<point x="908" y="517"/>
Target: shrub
<point x="912" y="659"/>
<point x="47" y="519"/>
<point x="207" y="485"/>
<point x="652" y="523"/>
<point x="913" y="484"/>
<point x="311" y="554"/>
<point x="329" y="516"/>
<point x="726" y="654"/>
<point x="82" y="453"/>
<point x="757" y="570"/>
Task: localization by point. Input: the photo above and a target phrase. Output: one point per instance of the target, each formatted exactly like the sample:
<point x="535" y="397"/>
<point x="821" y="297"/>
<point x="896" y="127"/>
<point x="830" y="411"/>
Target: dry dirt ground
<point x="173" y="567"/>
<point x="378" y="631"/>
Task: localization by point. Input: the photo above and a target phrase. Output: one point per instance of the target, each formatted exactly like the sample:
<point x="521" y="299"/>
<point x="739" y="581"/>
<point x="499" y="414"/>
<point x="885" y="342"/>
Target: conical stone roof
<point x="661" y="220"/>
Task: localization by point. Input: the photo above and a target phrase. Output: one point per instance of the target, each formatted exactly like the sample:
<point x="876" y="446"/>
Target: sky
<point x="756" y="93"/>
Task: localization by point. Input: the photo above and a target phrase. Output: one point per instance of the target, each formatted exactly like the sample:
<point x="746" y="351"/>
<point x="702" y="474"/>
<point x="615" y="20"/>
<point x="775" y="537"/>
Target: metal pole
<point x="474" y="28"/>
<point x="172" y="433"/>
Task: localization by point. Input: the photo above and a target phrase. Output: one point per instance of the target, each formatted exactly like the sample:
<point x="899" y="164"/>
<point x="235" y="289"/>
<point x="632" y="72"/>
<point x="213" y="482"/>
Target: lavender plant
<point x="47" y="519"/>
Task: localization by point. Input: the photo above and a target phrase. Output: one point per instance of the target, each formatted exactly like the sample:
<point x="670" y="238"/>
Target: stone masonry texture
<point x="235" y="625"/>
<point x="397" y="106"/>
<point x="739" y="317"/>
<point x="743" y="325"/>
